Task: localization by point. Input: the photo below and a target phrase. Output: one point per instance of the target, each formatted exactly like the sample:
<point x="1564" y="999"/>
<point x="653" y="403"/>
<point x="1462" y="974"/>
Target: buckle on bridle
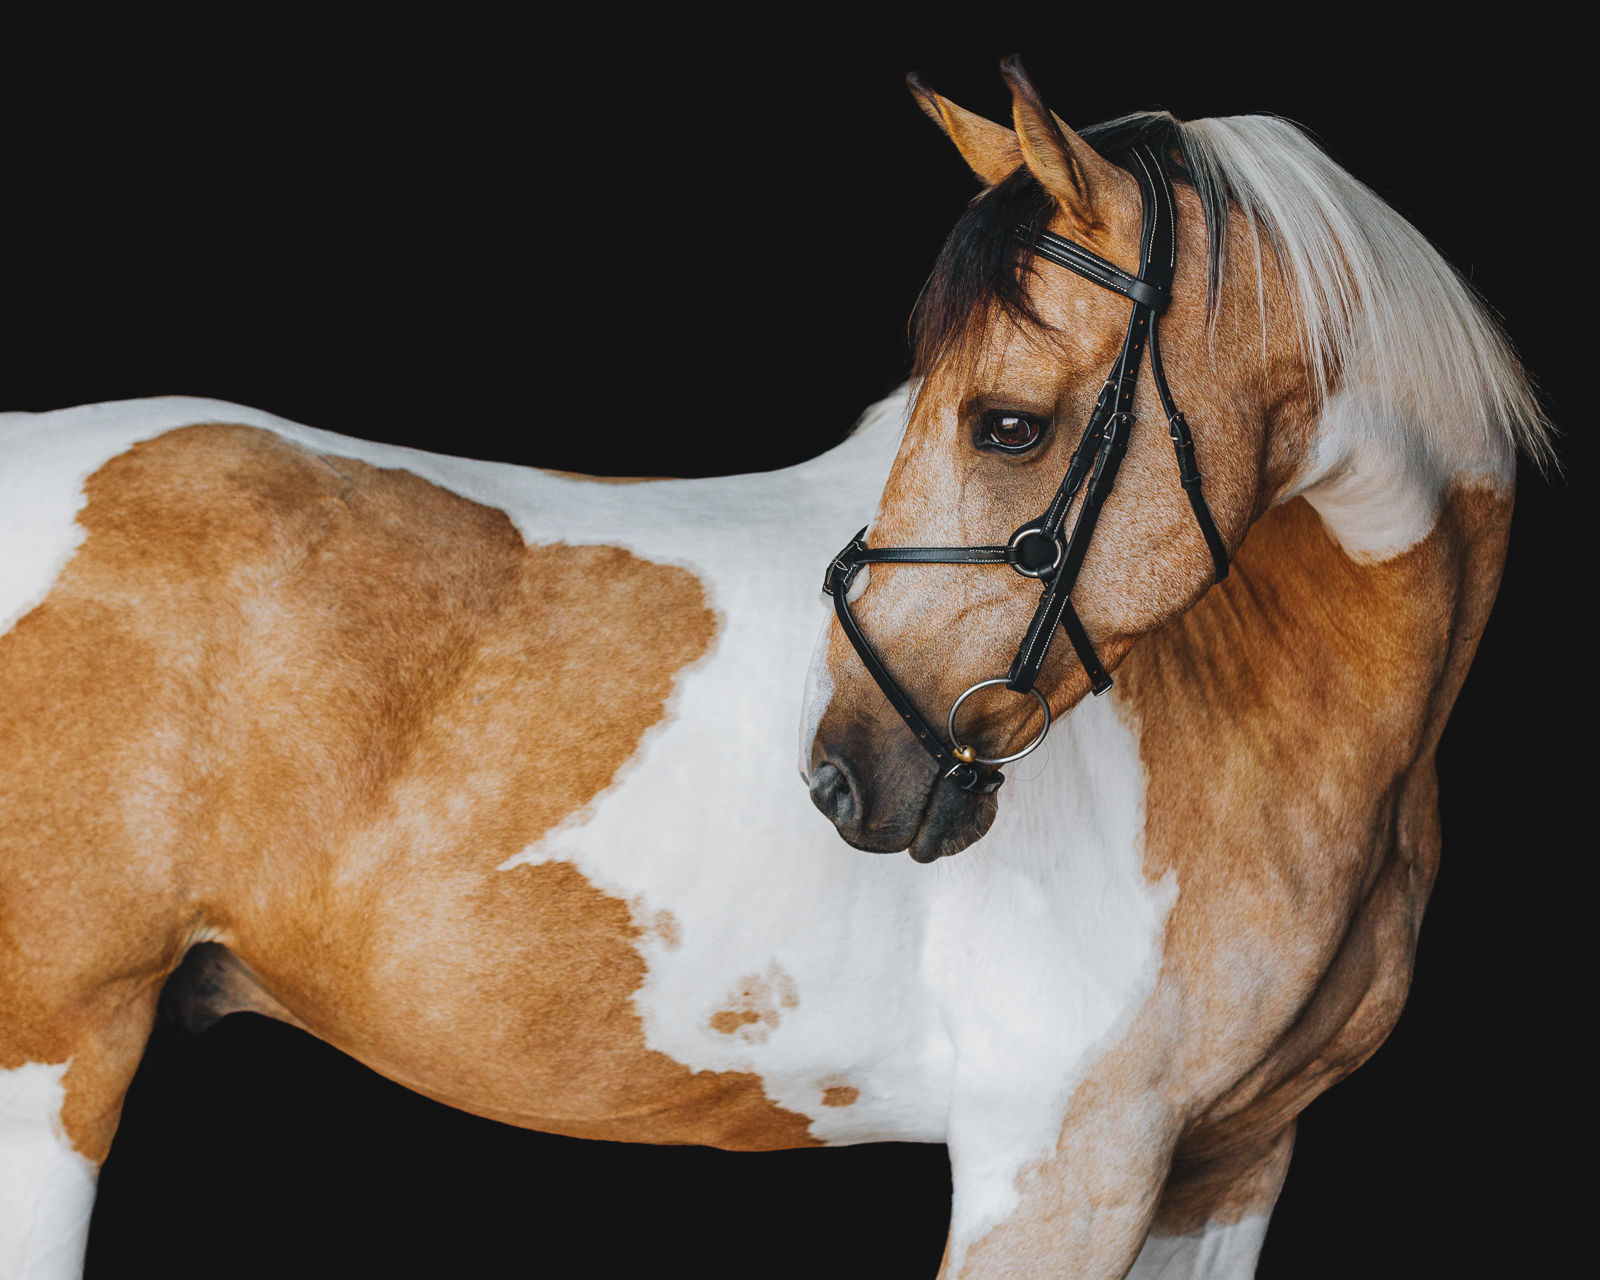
<point x="968" y="778"/>
<point x="846" y="563"/>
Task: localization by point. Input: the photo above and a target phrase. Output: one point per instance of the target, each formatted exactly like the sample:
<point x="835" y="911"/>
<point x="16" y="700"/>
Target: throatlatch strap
<point x="1188" y="468"/>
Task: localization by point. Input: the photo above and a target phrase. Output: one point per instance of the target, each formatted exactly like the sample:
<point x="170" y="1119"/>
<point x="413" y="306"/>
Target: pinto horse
<point x="403" y="749"/>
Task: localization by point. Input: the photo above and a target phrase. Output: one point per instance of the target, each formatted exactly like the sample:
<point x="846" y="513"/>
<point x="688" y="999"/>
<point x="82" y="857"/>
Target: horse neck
<point x="1330" y="677"/>
<point x="1359" y="592"/>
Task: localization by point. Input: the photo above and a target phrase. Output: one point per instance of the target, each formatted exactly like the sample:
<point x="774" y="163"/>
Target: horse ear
<point x="1066" y="165"/>
<point x="990" y="149"/>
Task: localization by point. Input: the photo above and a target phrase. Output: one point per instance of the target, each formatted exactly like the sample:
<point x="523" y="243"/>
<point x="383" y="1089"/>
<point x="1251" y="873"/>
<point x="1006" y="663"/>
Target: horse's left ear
<point x="1067" y="166"/>
<point x="990" y="149"/>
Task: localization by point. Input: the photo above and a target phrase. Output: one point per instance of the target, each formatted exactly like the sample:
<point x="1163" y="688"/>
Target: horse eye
<point x="1012" y="432"/>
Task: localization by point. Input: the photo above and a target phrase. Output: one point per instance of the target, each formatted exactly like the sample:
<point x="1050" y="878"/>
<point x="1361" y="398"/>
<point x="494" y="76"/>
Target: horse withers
<point x="404" y="749"/>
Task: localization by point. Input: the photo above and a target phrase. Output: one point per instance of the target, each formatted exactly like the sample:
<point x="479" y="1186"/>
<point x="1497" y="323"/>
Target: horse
<point x="410" y="751"/>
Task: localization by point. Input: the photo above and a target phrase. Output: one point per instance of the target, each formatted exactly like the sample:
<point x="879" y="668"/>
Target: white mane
<point x="1379" y="307"/>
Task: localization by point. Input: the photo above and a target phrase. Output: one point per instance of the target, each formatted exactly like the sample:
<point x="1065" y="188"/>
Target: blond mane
<point x="1378" y="304"/>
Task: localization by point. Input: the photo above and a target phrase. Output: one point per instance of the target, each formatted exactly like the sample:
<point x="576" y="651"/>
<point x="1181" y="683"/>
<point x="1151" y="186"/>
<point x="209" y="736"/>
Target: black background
<point x="692" y="254"/>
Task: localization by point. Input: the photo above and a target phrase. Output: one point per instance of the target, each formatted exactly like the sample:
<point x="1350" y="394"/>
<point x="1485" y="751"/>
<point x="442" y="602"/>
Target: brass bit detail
<point x="964" y="754"/>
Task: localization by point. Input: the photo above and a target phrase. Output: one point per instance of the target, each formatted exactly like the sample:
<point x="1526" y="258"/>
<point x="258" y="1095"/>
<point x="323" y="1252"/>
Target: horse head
<point x="1012" y="359"/>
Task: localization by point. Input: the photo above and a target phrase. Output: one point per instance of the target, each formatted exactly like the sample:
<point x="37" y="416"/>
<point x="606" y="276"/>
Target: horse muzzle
<point x="893" y="799"/>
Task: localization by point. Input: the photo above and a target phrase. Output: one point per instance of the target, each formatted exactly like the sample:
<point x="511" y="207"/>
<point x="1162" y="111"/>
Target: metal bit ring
<point x="955" y="742"/>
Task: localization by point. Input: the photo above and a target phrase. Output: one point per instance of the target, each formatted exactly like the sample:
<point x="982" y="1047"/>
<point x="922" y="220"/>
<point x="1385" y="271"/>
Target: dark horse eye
<point x="1013" y="432"/>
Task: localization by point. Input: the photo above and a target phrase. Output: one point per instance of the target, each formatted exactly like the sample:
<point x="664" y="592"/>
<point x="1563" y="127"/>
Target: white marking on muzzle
<point x="818" y="694"/>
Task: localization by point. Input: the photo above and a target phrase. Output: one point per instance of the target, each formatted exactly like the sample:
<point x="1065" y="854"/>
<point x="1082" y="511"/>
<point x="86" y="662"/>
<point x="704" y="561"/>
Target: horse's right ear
<point x="990" y="149"/>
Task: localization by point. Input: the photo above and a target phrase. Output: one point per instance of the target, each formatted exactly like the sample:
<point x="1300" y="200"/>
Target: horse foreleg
<point x="76" y="1009"/>
<point x="46" y="1186"/>
<point x="1081" y="1199"/>
<point x="59" y="1106"/>
<point x="1212" y="1219"/>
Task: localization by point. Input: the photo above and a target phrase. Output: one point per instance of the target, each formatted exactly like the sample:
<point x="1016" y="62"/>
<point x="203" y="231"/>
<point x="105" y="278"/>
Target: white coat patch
<point x="1042" y="947"/>
<point x="1218" y="1253"/>
<point x="46" y="1188"/>
<point x="723" y="835"/>
<point x="1377" y="485"/>
<point x="962" y="1001"/>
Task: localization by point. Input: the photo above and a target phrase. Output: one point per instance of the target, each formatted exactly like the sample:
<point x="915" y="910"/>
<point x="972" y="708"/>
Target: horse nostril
<point x="832" y="793"/>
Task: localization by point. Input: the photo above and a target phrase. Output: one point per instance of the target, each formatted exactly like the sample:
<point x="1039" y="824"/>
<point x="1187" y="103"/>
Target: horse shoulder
<point x="1289" y="725"/>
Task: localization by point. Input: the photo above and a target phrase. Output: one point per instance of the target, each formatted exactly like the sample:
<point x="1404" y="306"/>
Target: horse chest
<point x="771" y="947"/>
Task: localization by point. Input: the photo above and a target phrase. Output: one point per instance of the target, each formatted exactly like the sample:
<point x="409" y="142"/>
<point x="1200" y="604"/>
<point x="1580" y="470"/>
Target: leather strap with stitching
<point x="1091" y="266"/>
<point x="1188" y="468"/>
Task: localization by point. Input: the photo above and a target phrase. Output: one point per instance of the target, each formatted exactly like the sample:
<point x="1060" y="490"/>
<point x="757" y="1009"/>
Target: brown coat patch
<point x="1315" y="834"/>
<point x="305" y="707"/>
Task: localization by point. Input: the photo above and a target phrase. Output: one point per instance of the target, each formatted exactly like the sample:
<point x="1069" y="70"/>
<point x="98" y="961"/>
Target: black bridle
<point x="1038" y="548"/>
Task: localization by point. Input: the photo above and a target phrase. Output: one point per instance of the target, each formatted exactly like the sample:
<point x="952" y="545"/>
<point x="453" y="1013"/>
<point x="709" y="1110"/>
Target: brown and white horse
<point x="402" y="749"/>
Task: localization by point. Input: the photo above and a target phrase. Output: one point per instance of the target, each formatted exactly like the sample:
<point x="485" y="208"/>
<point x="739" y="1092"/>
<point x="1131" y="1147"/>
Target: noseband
<point x="1039" y="549"/>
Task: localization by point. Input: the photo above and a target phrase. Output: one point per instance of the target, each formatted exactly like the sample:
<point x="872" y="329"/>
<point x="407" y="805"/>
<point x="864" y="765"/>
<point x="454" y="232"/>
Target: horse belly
<point x="512" y="997"/>
<point x="533" y="995"/>
<point x="644" y="970"/>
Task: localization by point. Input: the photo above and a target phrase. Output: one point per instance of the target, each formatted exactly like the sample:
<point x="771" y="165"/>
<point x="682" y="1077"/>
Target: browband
<point x="1091" y="266"/>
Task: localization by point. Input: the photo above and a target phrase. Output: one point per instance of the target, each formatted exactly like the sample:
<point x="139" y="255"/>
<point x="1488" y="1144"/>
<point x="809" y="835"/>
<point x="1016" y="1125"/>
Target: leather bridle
<point x="1039" y="549"/>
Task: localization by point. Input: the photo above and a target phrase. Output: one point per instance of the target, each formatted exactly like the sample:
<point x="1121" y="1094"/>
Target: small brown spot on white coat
<point x="751" y="1012"/>
<point x="665" y="926"/>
